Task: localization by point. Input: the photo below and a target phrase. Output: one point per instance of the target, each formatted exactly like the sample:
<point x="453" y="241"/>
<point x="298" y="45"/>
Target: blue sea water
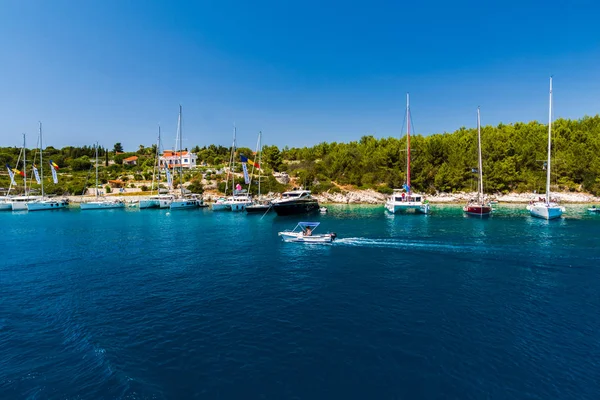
<point x="151" y="304"/>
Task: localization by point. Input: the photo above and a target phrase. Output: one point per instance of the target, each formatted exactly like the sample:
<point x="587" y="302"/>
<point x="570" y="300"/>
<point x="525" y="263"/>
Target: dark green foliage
<point x="80" y="164"/>
<point x="118" y="148"/>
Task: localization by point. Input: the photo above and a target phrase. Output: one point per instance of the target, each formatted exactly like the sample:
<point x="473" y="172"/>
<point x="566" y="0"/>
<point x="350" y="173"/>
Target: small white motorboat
<point x="594" y="209"/>
<point x="303" y="232"/>
<point x="323" y="210"/>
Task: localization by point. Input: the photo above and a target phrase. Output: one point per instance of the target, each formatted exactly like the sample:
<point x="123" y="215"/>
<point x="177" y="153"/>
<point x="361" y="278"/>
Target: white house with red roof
<point x="175" y="159"/>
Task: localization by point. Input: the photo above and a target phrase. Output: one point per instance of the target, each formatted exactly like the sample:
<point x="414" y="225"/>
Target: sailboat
<point x="181" y="202"/>
<point x="19" y="203"/>
<point x="43" y="203"/>
<point x="405" y="199"/>
<point x="478" y="207"/>
<point x="158" y="200"/>
<point x="101" y="203"/>
<point x="258" y="205"/>
<point x="547" y="209"/>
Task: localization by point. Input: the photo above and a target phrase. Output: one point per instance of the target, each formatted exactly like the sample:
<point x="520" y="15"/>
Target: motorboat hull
<point x="101" y="205"/>
<point x="545" y="211"/>
<point x="258" y="208"/>
<point x="46" y="205"/>
<point x="406" y="207"/>
<point x="299" y="237"/>
<point x="296" y="207"/>
<point x="239" y="206"/>
<point x="478" y="210"/>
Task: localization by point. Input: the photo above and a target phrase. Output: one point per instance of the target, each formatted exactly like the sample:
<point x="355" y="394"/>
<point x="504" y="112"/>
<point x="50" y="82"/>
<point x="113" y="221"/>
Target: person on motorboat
<point x="307" y="232"/>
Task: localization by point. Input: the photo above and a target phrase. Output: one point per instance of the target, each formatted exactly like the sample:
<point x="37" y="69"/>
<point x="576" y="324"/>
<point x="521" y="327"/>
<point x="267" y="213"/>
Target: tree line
<point x="514" y="158"/>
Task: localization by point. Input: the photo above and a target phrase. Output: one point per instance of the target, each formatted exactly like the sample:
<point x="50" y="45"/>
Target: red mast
<point x="408" y="143"/>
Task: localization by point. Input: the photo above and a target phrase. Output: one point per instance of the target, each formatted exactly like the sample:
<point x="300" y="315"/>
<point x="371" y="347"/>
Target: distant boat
<point x="101" y="203"/>
<point x="594" y="209"/>
<point x="181" y="202"/>
<point x="19" y="203"/>
<point x="258" y="205"/>
<point x="154" y="201"/>
<point x="402" y="200"/>
<point x="547" y="209"/>
<point x="295" y="202"/>
<point x="44" y="203"/>
<point x="478" y="207"/>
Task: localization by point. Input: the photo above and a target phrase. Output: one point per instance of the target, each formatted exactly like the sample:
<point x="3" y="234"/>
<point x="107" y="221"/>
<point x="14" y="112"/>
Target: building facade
<point x="176" y="159"/>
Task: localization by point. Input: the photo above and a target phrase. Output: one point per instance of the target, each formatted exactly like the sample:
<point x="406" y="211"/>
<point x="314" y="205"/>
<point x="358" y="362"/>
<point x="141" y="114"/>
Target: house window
<point x="185" y="160"/>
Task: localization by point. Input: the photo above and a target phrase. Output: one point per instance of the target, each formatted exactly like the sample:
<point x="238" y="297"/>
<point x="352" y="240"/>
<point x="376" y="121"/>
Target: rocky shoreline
<point x="373" y="197"/>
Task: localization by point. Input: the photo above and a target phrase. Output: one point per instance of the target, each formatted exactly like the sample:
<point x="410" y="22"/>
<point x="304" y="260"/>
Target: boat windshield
<point x="290" y="195"/>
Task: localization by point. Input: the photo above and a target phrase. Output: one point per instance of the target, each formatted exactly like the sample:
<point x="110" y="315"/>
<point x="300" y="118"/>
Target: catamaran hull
<point x="478" y="211"/>
<point x="93" y="205"/>
<point x="220" y="207"/>
<point x="183" y="204"/>
<point x="165" y="203"/>
<point x="18" y="206"/>
<point x="46" y="205"/>
<point x="397" y="208"/>
<point x="545" y="212"/>
<point x="239" y="206"/>
<point x="7" y="206"/>
<point x="149" y="204"/>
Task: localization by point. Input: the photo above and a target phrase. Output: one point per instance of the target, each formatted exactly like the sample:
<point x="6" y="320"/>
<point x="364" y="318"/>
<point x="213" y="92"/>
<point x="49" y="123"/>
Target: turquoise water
<point x="129" y="304"/>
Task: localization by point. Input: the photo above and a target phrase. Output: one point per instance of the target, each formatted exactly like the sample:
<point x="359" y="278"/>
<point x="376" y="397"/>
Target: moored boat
<point x="405" y="200"/>
<point x="477" y="207"/>
<point x="295" y="202"/>
<point x="101" y="203"/>
<point x="546" y="208"/>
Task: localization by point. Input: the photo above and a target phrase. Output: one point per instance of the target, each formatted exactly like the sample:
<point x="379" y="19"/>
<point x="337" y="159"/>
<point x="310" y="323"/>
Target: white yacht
<point x="19" y="203"/>
<point x="547" y="209"/>
<point x="44" y="203"/>
<point x="297" y="201"/>
<point x="239" y="201"/>
<point x="221" y="204"/>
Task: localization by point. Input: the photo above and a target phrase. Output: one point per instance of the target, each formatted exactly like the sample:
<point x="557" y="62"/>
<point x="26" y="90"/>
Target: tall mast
<point x="180" y="158"/>
<point x="233" y="159"/>
<point x="549" y="146"/>
<point x="24" y="166"/>
<point x="480" y="163"/>
<point x="41" y="160"/>
<point x="156" y="162"/>
<point x="259" y="159"/>
<point x="408" y="142"/>
<point x="96" y="170"/>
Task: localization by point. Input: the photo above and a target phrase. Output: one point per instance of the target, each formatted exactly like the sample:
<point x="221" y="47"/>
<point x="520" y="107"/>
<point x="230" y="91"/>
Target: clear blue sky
<point x="302" y="72"/>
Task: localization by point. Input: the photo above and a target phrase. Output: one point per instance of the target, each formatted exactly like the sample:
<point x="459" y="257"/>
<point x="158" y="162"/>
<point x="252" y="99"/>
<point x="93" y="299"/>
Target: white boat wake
<point x="405" y="244"/>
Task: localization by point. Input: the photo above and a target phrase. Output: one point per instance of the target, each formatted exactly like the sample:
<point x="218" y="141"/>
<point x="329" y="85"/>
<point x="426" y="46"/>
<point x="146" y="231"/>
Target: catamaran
<point x="43" y="203"/>
<point x="101" y="203"/>
<point x="304" y="233"/>
<point x="478" y="207"/>
<point x="405" y="199"/>
<point x="547" y="209"/>
<point x="181" y="202"/>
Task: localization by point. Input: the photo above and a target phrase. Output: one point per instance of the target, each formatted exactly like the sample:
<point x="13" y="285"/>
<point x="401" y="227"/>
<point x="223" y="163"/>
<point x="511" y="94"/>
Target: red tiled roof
<point x="132" y="158"/>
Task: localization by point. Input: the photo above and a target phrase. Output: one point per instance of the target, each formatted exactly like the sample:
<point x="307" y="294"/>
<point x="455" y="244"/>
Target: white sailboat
<point x="403" y="200"/>
<point x="181" y="202"/>
<point x="478" y="207"/>
<point x="158" y="200"/>
<point x="547" y="209"/>
<point x="43" y="203"/>
<point x="258" y="205"/>
<point x="101" y="203"/>
<point x="19" y="203"/>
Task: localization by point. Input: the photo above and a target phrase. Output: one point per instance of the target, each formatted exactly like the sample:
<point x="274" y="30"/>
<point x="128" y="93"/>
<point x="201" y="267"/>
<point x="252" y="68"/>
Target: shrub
<point x="108" y="189"/>
<point x="144" y="188"/>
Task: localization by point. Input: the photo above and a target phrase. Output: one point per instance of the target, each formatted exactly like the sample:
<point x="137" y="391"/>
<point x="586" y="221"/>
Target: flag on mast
<point x="37" y="174"/>
<point x="168" y="174"/>
<point x="11" y="174"/>
<point x="54" y="176"/>
<point x="245" y="168"/>
<point x="54" y="165"/>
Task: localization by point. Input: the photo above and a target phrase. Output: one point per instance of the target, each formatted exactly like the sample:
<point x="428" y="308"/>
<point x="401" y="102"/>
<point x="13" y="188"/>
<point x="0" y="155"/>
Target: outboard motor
<point x="333" y="235"/>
